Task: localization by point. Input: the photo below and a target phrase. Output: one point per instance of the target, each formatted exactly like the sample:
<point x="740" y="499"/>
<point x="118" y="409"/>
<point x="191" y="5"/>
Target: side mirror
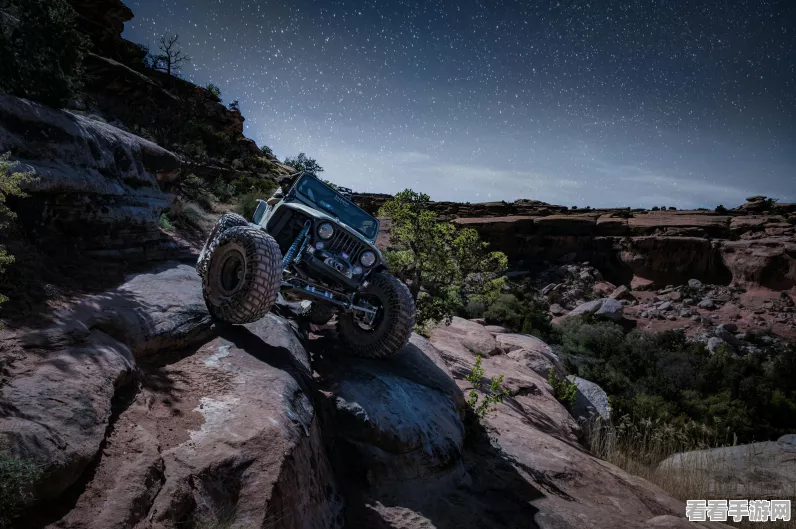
<point x="259" y="213"/>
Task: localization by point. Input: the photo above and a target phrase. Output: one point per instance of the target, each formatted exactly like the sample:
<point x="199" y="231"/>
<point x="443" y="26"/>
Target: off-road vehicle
<point x="315" y="245"/>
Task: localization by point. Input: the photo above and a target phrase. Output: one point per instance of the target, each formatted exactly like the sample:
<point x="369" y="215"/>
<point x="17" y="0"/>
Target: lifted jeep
<point x="315" y="245"/>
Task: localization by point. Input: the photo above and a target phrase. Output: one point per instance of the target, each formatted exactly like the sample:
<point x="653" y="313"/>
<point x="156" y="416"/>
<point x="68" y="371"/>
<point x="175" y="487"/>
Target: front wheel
<point x="389" y="331"/>
<point x="227" y="221"/>
<point x="243" y="277"/>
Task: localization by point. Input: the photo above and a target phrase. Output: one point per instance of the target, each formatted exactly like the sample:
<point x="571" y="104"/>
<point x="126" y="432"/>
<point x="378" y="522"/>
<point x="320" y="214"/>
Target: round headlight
<point x="325" y="231"/>
<point x="368" y="259"/>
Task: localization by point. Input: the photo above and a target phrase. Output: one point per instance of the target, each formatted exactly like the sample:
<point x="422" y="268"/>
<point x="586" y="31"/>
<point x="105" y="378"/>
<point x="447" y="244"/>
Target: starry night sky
<point x="686" y="103"/>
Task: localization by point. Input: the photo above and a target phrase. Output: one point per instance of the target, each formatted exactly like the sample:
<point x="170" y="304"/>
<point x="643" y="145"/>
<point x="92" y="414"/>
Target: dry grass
<point x="639" y="448"/>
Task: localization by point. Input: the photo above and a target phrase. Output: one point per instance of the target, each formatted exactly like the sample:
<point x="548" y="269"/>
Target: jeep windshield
<point x="324" y="197"/>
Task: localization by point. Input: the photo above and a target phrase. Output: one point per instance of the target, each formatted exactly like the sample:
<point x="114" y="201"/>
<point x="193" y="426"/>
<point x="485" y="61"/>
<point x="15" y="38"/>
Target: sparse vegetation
<point x="302" y="162"/>
<point x="214" y="90"/>
<point x="493" y="392"/>
<point x="445" y="267"/>
<point x="721" y="209"/>
<point x="235" y="106"/>
<point x="624" y="214"/>
<point x="10" y="186"/>
<point x="165" y="223"/>
<point x="666" y="378"/>
<point x="171" y="57"/>
<point x="563" y="390"/>
<point x="520" y="312"/>
<point x="41" y="55"/>
<point x="17" y="477"/>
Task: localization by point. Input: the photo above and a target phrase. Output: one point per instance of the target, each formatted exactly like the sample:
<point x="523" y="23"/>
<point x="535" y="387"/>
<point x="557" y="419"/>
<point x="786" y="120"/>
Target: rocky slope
<point x="144" y="414"/>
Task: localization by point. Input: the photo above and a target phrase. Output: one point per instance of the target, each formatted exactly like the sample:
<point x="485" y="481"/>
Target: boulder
<point x="497" y="329"/>
<point x="706" y="304"/>
<point x="465" y="335"/>
<point x="714" y="343"/>
<point x="85" y="356"/>
<point x="743" y="471"/>
<point x="606" y="308"/>
<point x="590" y="400"/>
<point x="622" y="292"/>
<point x="96" y="186"/>
<point x="393" y="422"/>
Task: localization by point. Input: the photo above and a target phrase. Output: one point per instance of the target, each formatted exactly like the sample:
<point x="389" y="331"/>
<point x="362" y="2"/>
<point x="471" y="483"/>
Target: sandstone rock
<point x="666" y="305"/>
<point x="557" y="310"/>
<point x="590" y="399"/>
<point x="395" y="421"/>
<point x="622" y="292"/>
<point x="497" y="329"/>
<point x="610" y="309"/>
<point x="463" y="334"/>
<point x="86" y="353"/>
<point x="756" y="470"/>
<point x="97" y="186"/>
<point x="750" y="262"/>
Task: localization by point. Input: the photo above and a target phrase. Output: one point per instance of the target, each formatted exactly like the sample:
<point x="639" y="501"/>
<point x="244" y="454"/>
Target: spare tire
<point x="392" y="326"/>
<point x="227" y="220"/>
<point x="243" y="277"/>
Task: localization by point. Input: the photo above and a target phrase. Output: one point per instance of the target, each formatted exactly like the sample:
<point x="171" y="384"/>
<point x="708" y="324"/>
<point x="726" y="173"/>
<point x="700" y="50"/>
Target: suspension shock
<point x="301" y="241"/>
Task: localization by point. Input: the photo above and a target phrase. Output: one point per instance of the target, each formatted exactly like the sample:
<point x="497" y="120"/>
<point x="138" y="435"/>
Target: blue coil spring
<point x="301" y="240"/>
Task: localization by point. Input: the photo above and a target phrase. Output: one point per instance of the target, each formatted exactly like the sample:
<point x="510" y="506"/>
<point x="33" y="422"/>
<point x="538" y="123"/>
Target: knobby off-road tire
<point x="227" y="220"/>
<point x="243" y="275"/>
<point x="393" y="327"/>
<point x="318" y="313"/>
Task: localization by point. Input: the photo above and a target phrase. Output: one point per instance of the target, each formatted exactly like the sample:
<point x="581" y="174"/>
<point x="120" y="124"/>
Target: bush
<point x="563" y="390"/>
<point x="494" y="392"/>
<point x="665" y="377"/>
<point x="721" y="209"/>
<point x="41" y="57"/>
<point x="655" y="208"/>
<point x="267" y="151"/>
<point x="17" y="477"/>
<point x="247" y="204"/>
<point x="10" y="186"/>
<point x="164" y="223"/>
<point x="214" y="90"/>
<point x="528" y="316"/>
<point x="624" y="214"/>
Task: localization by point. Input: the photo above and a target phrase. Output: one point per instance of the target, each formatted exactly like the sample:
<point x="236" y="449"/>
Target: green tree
<point x="444" y="266"/>
<point x="302" y="162"/>
<point x="267" y="151"/>
<point x="41" y="55"/>
<point x="10" y="183"/>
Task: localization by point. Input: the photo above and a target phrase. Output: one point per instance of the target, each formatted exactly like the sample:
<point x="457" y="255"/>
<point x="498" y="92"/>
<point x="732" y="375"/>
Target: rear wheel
<point x="389" y="331"/>
<point x="227" y="220"/>
<point x="243" y="277"/>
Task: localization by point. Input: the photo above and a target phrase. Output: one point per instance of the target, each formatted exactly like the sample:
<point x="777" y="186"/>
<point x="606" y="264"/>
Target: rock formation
<point x="144" y="414"/>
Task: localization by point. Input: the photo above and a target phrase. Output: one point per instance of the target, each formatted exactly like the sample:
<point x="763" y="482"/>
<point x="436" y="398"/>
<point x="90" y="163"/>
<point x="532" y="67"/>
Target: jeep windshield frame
<point x="310" y="189"/>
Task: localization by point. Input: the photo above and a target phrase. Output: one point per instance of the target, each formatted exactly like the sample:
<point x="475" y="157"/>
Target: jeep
<point x="317" y="246"/>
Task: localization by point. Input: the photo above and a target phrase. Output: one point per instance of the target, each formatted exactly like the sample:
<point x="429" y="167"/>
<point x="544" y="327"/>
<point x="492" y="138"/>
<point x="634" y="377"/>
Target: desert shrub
<point x="214" y="90"/>
<point x="624" y="214"/>
<point x="655" y="208"/>
<point x="17" y="477"/>
<point x="165" y="223"/>
<point x="266" y="150"/>
<point x="526" y="315"/>
<point x="721" y="209"/>
<point x="187" y="215"/>
<point x="493" y="392"/>
<point x="41" y="56"/>
<point x="10" y="186"/>
<point x="247" y="204"/>
<point x="563" y="390"/>
<point x="665" y="377"/>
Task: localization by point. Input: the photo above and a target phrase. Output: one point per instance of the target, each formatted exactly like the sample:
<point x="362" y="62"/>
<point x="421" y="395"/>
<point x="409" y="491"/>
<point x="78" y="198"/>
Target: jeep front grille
<point x="345" y="242"/>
